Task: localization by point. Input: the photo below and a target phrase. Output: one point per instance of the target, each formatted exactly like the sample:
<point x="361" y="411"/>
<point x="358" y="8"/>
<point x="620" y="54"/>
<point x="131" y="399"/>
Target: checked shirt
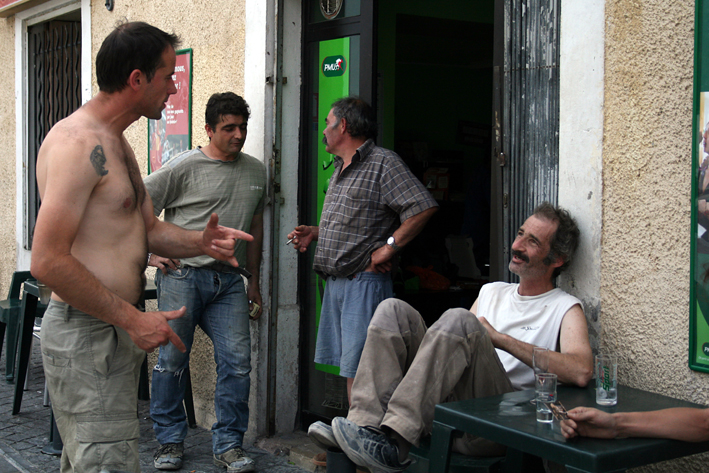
<point x="364" y="205"/>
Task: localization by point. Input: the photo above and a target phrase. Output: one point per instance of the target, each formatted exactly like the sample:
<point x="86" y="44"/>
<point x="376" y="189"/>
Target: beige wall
<point x="216" y="36"/>
<point x="646" y="198"/>
<point x="7" y="154"/>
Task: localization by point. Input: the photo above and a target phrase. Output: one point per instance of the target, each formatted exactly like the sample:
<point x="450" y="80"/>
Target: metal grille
<point x="54" y="92"/>
<point x="531" y="111"/>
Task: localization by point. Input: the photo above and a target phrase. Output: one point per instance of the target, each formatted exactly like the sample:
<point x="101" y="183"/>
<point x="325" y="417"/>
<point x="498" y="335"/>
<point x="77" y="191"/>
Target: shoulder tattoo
<point x="98" y="159"/>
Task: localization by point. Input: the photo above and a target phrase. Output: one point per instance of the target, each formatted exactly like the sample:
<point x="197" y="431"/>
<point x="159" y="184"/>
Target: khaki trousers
<point x="92" y="371"/>
<point x="405" y="370"/>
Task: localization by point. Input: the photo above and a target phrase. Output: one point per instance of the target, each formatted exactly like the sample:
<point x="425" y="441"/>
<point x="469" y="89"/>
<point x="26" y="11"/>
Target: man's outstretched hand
<point x="219" y="242"/>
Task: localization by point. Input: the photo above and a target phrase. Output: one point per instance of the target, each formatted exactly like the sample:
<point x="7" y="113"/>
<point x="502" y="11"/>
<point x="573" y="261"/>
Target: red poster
<point x="170" y="135"/>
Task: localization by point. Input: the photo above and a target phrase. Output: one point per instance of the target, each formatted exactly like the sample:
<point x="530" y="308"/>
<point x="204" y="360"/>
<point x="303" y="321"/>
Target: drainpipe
<point x="272" y="363"/>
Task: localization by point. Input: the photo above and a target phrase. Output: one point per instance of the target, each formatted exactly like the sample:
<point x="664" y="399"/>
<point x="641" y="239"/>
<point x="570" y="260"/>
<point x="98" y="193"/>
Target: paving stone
<point x="23" y="436"/>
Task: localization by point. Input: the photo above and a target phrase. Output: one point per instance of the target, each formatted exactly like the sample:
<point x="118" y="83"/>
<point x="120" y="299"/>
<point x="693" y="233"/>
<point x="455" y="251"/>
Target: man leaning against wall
<point x="190" y="187"/>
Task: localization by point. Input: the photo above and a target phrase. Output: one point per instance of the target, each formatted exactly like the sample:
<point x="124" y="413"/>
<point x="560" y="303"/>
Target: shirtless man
<point x="91" y="242"/>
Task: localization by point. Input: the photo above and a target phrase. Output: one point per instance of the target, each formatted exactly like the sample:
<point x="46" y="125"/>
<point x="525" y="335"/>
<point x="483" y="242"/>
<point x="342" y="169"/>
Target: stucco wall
<point x="646" y="198"/>
<point x="7" y="154"/>
<point x="216" y="36"/>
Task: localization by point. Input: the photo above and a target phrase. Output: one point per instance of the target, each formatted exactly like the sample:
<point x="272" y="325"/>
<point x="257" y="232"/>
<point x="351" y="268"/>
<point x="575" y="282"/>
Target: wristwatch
<point x="392" y="242"/>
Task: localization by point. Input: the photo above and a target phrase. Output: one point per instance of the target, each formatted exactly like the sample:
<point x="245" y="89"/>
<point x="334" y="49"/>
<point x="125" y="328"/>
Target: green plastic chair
<point x="10" y="321"/>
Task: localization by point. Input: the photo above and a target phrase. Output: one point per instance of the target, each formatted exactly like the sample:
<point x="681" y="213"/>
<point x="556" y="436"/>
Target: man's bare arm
<point x="253" y="261"/>
<point x="412" y="226"/>
<point x="171" y="241"/>
<point x="687" y="424"/>
<point x="573" y="364"/>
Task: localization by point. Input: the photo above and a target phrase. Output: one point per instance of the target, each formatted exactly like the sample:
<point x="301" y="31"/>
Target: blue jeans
<point x="216" y="301"/>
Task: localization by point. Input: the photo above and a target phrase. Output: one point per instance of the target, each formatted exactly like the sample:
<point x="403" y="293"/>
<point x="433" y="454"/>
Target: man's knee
<point x="459" y="322"/>
<point x="175" y="365"/>
<point x="394" y="315"/>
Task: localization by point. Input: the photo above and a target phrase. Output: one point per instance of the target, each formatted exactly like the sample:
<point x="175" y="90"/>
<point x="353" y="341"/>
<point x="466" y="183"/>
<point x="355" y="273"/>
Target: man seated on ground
<point x="679" y="423"/>
<point x="406" y="369"/>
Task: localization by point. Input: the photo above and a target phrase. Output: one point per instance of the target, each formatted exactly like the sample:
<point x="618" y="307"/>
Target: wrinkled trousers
<point x="406" y="369"/>
<point x="92" y="371"/>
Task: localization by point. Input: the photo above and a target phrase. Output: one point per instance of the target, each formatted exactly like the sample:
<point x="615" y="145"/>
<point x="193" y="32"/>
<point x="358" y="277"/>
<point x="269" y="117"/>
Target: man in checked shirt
<point x="373" y="207"/>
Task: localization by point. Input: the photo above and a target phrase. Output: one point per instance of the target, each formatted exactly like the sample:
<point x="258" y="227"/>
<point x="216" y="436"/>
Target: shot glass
<point x="545" y="392"/>
<point x="606" y="380"/>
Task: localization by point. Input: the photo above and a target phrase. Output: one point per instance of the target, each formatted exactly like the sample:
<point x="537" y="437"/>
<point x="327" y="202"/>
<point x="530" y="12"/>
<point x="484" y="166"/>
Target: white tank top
<point x="531" y="319"/>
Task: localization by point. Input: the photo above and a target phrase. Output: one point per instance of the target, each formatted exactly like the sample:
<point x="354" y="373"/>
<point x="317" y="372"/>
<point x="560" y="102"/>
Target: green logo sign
<point x="705" y="348"/>
<point x="333" y="66"/>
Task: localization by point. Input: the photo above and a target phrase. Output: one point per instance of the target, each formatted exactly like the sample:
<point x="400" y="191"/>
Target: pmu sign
<point x="333" y="66"/>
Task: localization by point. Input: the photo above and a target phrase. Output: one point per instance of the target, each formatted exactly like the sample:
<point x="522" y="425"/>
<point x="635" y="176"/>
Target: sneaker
<point x="234" y="460"/>
<point x="321" y="434"/>
<point x="169" y="456"/>
<point x="368" y="446"/>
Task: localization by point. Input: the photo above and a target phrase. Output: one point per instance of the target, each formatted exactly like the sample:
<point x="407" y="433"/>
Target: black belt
<point x="224" y="268"/>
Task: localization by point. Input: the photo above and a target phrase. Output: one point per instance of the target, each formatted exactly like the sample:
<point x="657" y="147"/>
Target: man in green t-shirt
<point x="218" y="178"/>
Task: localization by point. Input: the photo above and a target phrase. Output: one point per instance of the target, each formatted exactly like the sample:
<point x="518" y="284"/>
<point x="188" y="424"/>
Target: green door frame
<point x="364" y="26"/>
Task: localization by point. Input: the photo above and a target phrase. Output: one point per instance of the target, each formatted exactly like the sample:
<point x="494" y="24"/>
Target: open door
<point x="525" y="157"/>
<point x="339" y="40"/>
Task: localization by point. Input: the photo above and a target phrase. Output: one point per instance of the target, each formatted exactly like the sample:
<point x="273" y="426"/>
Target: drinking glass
<point x="545" y="391"/>
<point x="540" y="360"/>
<point x="606" y="380"/>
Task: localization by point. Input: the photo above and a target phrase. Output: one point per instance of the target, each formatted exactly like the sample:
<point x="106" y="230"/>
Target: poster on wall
<point x="699" y="300"/>
<point x="172" y="134"/>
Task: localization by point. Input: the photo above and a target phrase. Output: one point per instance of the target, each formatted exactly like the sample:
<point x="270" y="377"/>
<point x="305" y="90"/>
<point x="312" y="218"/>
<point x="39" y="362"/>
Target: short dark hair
<point x="226" y="103"/>
<point x="131" y="46"/>
<point x="565" y="240"/>
<point x="359" y="117"/>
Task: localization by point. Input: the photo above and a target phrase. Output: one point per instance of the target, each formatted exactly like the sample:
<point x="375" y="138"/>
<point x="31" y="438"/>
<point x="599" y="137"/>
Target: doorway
<point x="427" y="69"/>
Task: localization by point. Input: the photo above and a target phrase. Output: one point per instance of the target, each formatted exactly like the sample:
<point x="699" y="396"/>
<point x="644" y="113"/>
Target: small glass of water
<point x="545" y="392"/>
<point x="606" y="380"/>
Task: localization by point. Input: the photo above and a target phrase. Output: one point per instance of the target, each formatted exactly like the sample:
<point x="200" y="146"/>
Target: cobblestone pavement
<point x="23" y="436"/>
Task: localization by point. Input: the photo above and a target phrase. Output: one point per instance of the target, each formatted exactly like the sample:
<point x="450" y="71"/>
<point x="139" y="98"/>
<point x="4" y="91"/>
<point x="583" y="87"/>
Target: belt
<point x="224" y="268"/>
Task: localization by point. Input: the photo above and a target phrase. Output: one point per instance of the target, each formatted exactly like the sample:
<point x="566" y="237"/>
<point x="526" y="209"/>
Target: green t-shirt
<point x="191" y="186"/>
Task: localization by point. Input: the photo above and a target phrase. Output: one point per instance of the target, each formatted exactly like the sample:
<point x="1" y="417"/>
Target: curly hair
<point x="565" y="240"/>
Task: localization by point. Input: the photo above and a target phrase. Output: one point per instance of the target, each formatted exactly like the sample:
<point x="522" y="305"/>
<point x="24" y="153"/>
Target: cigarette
<point x="290" y="241"/>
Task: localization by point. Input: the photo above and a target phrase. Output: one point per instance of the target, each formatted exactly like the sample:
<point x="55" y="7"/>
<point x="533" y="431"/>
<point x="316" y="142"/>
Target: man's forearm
<point x="412" y="226"/>
<point x="254" y="249"/>
<point x="170" y="241"/>
<point x="568" y="367"/>
<point x="690" y="425"/>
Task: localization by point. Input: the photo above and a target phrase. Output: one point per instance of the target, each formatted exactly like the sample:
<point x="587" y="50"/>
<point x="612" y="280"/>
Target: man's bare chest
<point x="121" y="187"/>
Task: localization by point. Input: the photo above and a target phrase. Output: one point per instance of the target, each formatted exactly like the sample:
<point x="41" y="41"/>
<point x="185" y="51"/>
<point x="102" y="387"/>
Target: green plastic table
<point x="510" y="419"/>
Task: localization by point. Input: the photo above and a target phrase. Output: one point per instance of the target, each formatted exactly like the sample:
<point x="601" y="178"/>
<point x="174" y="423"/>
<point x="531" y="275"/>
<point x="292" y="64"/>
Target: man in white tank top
<point x="408" y="369"/>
